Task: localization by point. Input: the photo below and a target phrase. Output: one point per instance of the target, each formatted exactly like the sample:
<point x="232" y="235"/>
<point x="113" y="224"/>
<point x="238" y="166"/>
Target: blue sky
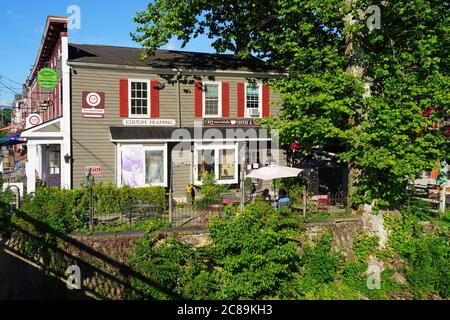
<point x="102" y="22"/>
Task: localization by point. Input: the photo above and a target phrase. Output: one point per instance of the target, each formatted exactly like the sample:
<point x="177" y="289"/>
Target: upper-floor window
<point x="253" y="101"/>
<point x="139" y="98"/>
<point x="212" y="99"/>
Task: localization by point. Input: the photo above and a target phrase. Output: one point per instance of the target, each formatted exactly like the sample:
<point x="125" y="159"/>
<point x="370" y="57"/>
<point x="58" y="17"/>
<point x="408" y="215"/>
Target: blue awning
<point x="11" y="141"/>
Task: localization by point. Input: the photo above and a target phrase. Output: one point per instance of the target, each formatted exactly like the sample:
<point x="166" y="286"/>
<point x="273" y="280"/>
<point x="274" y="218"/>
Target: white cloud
<point x="39" y="29"/>
<point x="171" y="45"/>
<point x="11" y="14"/>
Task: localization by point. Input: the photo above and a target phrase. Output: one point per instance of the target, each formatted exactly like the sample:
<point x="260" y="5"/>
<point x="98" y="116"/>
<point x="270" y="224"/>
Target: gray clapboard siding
<point x="91" y="137"/>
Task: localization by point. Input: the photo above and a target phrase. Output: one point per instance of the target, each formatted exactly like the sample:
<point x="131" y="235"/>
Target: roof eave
<point x="272" y="74"/>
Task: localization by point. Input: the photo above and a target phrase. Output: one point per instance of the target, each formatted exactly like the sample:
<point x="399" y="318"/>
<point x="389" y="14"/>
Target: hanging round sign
<point x="47" y="78"/>
<point x="33" y="120"/>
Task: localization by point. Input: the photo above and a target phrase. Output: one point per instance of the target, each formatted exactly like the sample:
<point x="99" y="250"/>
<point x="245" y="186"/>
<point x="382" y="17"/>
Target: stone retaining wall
<point x="119" y="245"/>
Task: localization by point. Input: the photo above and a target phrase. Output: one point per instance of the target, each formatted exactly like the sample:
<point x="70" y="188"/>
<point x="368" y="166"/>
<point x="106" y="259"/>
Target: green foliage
<point x="54" y="207"/>
<point x="210" y="191"/>
<point x="165" y="265"/>
<point x="427" y="255"/>
<point x="256" y="252"/>
<point x="383" y="135"/>
<point x="403" y="229"/>
<point x="58" y="208"/>
<point x="429" y="263"/>
<point x="252" y="255"/>
<point x="320" y="261"/>
<point x="365" y="245"/>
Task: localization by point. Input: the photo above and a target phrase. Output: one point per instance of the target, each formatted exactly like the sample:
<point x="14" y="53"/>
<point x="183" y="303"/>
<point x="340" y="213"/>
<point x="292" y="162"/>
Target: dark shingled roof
<point x="164" y="59"/>
<point x="186" y="134"/>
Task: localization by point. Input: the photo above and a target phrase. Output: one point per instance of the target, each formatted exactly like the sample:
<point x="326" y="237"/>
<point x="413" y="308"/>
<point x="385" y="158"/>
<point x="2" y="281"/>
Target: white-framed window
<point x="138" y="98"/>
<point x="141" y="166"/>
<point x="253" y="100"/>
<point x="54" y="163"/>
<point x="212" y="99"/>
<point x="221" y="160"/>
<point x="156" y="166"/>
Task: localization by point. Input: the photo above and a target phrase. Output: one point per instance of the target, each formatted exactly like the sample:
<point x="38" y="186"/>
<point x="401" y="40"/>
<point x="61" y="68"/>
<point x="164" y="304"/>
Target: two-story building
<point x="163" y="121"/>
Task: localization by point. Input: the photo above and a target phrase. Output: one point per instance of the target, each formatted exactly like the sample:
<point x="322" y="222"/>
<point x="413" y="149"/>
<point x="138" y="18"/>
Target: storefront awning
<point x="11" y="141"/>
<point x="205" y="134"/>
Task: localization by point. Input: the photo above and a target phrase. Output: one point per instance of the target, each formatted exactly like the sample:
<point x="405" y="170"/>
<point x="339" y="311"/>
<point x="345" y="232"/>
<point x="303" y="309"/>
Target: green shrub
<point x="210" y="191"/>
<point x="428" y="256"/>
<point x="365" y="245"/>
<point x="252" y="255"/>
<point x="320" y="260"/>
<point x="164" y="266"/>
<point x="57" y="207"/>
<point x="429" y="266"/>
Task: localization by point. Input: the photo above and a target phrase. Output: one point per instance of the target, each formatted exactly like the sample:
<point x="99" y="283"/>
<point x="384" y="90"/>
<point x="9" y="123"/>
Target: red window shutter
<point x="266" y="101"/>
<point x="154" y="96"/>
<point x="241" y="100"/>
<point x="225" y="99"/>
<point x="198" y="90"/>
<point x="123" y="98"/>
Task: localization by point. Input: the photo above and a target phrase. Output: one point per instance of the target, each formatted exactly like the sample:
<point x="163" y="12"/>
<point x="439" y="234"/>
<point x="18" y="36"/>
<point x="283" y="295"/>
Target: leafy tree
<point x="356" y="92"/>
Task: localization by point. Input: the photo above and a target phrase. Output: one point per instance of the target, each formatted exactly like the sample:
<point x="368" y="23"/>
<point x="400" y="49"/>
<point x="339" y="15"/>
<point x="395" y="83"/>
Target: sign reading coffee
<point x="93" y="105"/>
<point x="230" y="123"/>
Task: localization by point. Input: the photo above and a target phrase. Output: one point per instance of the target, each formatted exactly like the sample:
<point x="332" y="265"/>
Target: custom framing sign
<point x="150" y="122"/>
<point x="93" y="105"/>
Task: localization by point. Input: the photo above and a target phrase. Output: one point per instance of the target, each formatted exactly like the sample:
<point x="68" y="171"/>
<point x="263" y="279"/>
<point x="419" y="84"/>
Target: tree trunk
<point x="355" y="68"/>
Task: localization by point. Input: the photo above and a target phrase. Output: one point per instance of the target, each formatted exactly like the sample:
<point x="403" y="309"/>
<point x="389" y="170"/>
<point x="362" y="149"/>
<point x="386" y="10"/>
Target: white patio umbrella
<point x="274" y="172"/>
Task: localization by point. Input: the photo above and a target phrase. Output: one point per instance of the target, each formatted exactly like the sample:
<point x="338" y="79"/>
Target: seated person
<point x="283" y="199"/>
<point x="266" y="196"/>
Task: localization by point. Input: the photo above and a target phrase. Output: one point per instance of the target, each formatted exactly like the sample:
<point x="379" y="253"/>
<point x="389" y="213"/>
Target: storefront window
<point x="220" y="160"/>
<point x="227" y="164"/>
<point x="154" y="167"/>
<point x="144" y="166"/>
<point x="205" y="163"/>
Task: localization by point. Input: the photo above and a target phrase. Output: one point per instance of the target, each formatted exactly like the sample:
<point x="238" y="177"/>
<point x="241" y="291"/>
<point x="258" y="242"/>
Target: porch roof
<point x="188" y="134"/>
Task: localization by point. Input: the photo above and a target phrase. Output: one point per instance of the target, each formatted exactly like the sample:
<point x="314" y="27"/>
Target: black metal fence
<point x="135" y="214"/>
<point x="201" y="210"/>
